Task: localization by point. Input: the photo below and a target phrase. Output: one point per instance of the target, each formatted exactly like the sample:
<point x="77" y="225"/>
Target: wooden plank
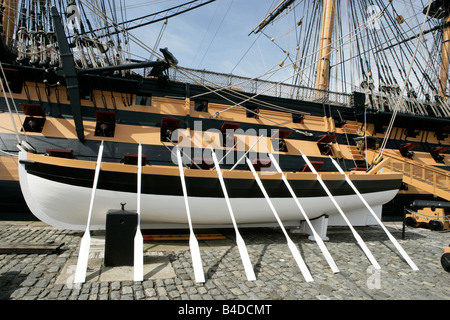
<point x="163" y="237"/>
<point x="29" y="247"/>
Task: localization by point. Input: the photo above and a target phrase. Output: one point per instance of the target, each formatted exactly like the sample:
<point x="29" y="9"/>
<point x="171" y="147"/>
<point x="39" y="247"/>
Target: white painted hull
<point x="66" y="206"/>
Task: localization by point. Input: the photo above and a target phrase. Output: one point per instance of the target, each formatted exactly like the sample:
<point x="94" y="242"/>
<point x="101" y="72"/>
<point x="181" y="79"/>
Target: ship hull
<point x="58" y="192"/>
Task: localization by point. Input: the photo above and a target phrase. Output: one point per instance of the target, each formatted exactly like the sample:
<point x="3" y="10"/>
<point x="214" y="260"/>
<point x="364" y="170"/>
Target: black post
<point x="121" y="226"/>
<point x="403" y="228"/>
<point x="69" y="72"/>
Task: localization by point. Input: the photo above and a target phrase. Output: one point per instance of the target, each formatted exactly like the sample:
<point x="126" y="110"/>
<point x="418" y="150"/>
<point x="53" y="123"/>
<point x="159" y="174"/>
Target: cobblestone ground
<point x="33" y="276"/>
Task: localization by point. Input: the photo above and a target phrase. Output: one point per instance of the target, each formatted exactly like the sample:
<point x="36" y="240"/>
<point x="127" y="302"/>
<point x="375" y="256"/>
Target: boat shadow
<point x="10" y="281"/>
<point x="262" y="240"/>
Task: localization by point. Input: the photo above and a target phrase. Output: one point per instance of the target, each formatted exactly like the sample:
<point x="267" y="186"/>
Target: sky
<point x="214" y="37"/>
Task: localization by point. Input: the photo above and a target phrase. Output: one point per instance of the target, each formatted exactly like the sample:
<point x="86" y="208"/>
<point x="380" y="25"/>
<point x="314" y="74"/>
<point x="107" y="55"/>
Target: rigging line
<point x="386" y="41"/>
<point x="232" y="90"/>
<point x="298" y="33"/>
<point x="271" y="19"/>
<point x="158" y="39"/>
<point x="120" y="29"/>
<point x="408" y="47"/>
<point x="10" y="112"/>
<point x="240" y="60"/>
<point x="213" y="16"/>
<point x="388" y="133"/>
<point x="351" y="35"/>
<point x="350" y="45"/>
<point x="279" y="47"/>
<point x="239" y="104"/>
<point x="9" y="107"/>
<point x="215" y="34"/>
<point x="160" y="19"/>
<point x="421" y="69"/>
<point x="239" y="95"/>
<point x="262" y="57"/>
<point x="310" y="42"/>
<point x="8" y="153"/>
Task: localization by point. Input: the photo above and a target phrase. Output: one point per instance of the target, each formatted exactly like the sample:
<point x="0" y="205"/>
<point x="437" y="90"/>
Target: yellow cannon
<point x="434" y="215"/>
<point x="445" y="259"/>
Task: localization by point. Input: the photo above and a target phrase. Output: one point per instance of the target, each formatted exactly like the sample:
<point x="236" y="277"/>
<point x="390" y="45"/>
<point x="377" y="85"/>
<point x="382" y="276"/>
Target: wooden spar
<point x="272" y="15"/>
<point x="445" y="59"/>
<point x="9" y="20"/>
<point x="326" y="33"/>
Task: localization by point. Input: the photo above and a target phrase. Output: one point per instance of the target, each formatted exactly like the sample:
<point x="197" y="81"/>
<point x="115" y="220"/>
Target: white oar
<point x="355" y="234"/>
<point x="85" y="244"/>
<point x="138" y="239"/>
<point x="393" y="240"/>
<point x="239" y="240"/>
<point x="294" y="250"/>
<point x="193" y="243"/>
<point x="316" y="236"/>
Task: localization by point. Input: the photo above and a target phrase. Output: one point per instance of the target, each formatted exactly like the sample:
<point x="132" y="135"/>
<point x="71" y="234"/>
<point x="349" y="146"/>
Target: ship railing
<point x="258" y="87"/>
<point x="386" y="102"/>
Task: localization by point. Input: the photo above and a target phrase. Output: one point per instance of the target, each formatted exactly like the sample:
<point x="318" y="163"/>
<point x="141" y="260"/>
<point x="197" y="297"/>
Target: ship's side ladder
<point x="393" y="240"/>
<point x="239" y="240"/>
<point x="85" y="244"/>
<point x="355" y="234"/>
<point x="316" y="236"/>
<point x="193" y="243"/>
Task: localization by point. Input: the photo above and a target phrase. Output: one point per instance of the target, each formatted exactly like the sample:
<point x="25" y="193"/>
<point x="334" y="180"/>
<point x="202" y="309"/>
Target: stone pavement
<point x="169" y="274"/>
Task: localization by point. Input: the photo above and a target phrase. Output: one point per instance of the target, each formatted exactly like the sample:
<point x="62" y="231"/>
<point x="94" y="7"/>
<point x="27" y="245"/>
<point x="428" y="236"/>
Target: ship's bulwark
<point x="58" y="191"/>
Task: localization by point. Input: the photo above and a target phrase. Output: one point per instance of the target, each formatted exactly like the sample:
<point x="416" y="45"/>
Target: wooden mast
<point x="445" y="59"/>
<point x="326" y="33"/>
<point x="9" y="20"/>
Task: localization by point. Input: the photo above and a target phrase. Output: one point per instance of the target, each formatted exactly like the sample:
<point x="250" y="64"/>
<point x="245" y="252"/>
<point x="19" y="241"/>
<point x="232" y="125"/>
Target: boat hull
<point x="62" y="199"/>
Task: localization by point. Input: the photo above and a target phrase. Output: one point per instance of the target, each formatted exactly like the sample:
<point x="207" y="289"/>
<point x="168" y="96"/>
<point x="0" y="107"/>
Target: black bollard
<point x="119" y="239"/>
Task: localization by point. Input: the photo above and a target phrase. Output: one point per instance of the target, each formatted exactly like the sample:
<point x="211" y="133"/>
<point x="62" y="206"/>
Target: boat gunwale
<point x="165" y="170"/>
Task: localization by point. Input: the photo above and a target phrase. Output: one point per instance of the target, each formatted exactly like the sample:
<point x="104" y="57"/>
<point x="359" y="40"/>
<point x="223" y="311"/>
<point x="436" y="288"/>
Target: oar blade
<point x="138" y="256"/>
<point x="318" y="239"/>
<point x="196" y="258"/>
<point x="355" y="234"/>
<point x="301" y="264"/>
<point x="393" y="240"/>
<point x="298" y="258"/>
<point x="245" y="258"/>
<point x="366" y="251"/>
<point x="83" y="257"/>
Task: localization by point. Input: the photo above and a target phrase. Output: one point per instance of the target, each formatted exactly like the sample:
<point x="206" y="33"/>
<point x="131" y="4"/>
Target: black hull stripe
<point x="201" y="186"/>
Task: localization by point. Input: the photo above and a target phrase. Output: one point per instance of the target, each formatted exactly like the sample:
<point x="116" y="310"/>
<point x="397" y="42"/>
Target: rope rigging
<point x="358" y="46"/>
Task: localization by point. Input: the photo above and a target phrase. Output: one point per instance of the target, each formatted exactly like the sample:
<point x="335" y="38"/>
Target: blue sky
<point x="214" y="37"/>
